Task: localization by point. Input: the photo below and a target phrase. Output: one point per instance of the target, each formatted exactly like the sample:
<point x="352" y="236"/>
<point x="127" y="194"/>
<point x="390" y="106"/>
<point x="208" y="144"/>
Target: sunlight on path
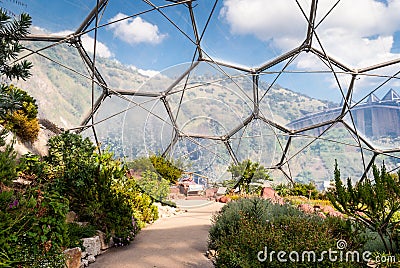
<point x="178" y="241"/>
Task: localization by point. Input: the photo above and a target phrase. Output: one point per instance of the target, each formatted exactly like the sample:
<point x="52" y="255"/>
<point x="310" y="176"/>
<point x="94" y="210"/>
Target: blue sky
<point x="359" y="33"/>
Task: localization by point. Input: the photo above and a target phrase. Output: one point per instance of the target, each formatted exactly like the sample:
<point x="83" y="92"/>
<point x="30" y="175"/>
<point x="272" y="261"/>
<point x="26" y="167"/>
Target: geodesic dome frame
<point x="313" y="130"/>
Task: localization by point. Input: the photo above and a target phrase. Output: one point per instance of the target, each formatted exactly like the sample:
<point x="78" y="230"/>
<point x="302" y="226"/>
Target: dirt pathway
<point x="177" y="241"/>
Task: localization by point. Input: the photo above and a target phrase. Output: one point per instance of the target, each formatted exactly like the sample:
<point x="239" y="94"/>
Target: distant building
<point x="374" y="118"/>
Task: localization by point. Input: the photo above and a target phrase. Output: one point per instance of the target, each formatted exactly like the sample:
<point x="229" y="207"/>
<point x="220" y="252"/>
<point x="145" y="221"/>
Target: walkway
<point x="178" y="241"/>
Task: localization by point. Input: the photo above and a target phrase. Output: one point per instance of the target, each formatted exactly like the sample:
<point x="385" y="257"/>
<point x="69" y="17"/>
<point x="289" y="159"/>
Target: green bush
<point x="8" y="165"/>
<point x="153" y="185"/>
<point x="141" y="204"/>
<point x="167" y="169"/>
<point x="308" y="190"/>
<point x="18" y="113"/>
<point x="72" y="171"/>
<point x="33" y="231"/>
<point x="76" y="232"/>
<point x="246" y="227"/>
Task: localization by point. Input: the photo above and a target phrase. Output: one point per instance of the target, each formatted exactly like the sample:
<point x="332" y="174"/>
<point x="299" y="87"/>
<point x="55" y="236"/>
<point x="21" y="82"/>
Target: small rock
<point x="307" y="208"/>
<point x="91" y="259"/>
<point x="70" y="217"/>
<point x="83" y="254"/>
<point x="335" y="214"/>
<point x="92" y="245"/>
<point x="85" y="263"/>
<point x="224" y="199"/>
<point x="73" y="257"/>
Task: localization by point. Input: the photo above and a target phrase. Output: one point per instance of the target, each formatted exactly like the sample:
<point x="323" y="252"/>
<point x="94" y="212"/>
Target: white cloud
<point x="101" y="49"/>
<point x="358" y="32"/>
<point x="148" y="73"/>
<point x="136" y="30"/>
<point x="88" y="43"/>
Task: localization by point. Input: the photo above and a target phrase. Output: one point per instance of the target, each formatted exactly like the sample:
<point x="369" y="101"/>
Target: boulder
<point x="73" y="257"/>
<point x="327" y="209"/>
<point x="92" y="245"/>
<point x="335" y="214"/>
<point x="210" y="193"/>
<point x="270" y="194"/>
<point x="307" y="208"/>
<point x="91" y="259"/>
<point x="104" y="244"/>
<point x="224" y="199"/>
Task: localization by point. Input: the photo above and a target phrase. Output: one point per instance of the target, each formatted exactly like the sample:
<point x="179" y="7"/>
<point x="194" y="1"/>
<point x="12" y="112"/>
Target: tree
<point x="167" y="169"/>
<point x="247" y="172"/>
<point x="373" y="203"/>
<point x="11" y="31"/>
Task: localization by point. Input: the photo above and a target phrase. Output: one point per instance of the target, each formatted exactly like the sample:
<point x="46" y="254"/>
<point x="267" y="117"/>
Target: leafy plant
<point x="32" y="228"/>
<point x="246" y="173"/>
<point x="78" y="231"/>
<point x="371" y="202"/>
<point x="11" y="31"/>
<point x="8" y="165"/>
<point x="72" y="170"/>
<point x="141" y="204"/>
<point x="246" y="227"/>
<point x="166" y="168"/>
<point x="154" y="185"/>
<point x="308" y="190"/>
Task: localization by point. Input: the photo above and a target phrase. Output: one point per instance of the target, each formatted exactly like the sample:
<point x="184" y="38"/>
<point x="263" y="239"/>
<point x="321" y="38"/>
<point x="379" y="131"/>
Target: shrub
<point x="371" y="202"/>
<point x="18" y="112"/>
<point x="167" y="169"/>
<point x="7" y="165"/>
<point x="141" y="204"/>
<point x="244" y="228"/>
<point x="32" y="228"/>
<point x="153" y="185"/>
<point x="27" y="129"/>
<point x="298" y="189"/>
<point x="76" y="232"/>
<point x="246" y="173"/>
<point x="72" y="170"/>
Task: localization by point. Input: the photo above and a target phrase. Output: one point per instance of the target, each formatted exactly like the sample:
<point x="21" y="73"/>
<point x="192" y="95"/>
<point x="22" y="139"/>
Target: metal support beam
<point x="347" y="101"/>
<point x="279" y="59"/>
<point x="256" y="101"/>
<point x="226" y="64"/>
<point x="86" y="58"/>
<point x="311" y="24"/>
<point x="239" y="127"/>
<point x="285" y="151"/>
<point x="364" y="175"/>
<point x="45" y="38"/>
<point x="180" y="78"/>
<point x="91" y="17"/>
<point x="275" y="125"/>
<point x="91" y="113"/>
<point x="137" y="93"/>
<point x="195" y="31"/>
<point x="231" y="152"/>
<point x="171" y="144"/>
<point x="332" y="60"/>
<point x="170" y="115"/>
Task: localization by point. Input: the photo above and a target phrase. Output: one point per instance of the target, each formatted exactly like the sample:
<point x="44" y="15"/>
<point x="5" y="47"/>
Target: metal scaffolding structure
<point x="179" y="87"/>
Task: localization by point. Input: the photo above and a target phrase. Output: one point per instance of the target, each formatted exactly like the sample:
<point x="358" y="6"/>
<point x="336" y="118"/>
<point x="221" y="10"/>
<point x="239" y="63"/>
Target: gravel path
<point x="177" y="241"/>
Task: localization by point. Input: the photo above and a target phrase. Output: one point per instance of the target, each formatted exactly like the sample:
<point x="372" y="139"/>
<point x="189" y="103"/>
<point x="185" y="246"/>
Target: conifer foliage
<point x="371" y="202"/>
<point x="11" y="31"/>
